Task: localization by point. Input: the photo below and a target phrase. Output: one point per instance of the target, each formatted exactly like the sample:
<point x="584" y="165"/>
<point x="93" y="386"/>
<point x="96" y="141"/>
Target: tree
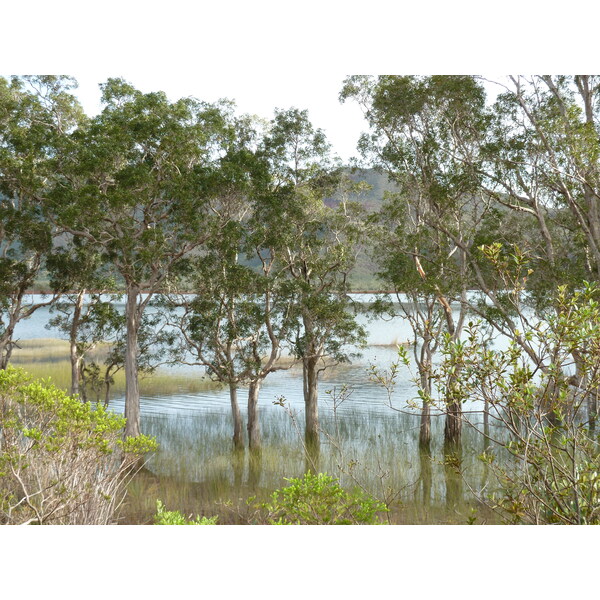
<point x="318" y="245"/>
<point x="137" y="191"/>
<point x="541" y="164"/>
<point x="236" y="321"/>
<point x="426" y="134"/>
<point x="37" y="114"/>
<point x="82" y="315"/>
<point x="400" y="251"/>
<point x="542" y="449"/>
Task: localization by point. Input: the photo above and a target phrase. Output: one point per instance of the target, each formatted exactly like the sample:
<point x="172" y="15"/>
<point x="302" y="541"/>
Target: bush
<point x="543" y="444"/>
<point x="62" y="461"/>
<point x="320" y="500"/>
<point x="174" y="517"/>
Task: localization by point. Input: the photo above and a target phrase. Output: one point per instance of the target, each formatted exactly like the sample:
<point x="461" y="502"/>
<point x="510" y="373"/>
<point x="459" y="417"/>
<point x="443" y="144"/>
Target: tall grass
<point x="47" y="358"/>
<point x="196" y="470"/>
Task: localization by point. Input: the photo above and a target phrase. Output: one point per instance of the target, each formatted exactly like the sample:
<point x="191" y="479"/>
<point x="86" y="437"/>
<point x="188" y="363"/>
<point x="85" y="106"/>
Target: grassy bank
<point x="49" y="358"/>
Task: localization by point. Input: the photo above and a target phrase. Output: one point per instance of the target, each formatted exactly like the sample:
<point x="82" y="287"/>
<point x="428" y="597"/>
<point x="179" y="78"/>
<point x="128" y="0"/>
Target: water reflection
<point x="363" y="440"/>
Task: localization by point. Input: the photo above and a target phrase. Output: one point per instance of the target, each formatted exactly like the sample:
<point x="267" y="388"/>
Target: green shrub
<point x="174" y="517"/>
<point x="62" y="461"/>
<point x="320" y="500"/>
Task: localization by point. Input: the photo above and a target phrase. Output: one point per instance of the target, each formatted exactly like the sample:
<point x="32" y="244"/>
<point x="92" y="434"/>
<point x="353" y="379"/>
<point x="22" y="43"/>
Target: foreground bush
<point x="540" y="418"/>
<point x="320" y="500"/>
<point x="62" y="461"/>
<point x="174" y="517"/>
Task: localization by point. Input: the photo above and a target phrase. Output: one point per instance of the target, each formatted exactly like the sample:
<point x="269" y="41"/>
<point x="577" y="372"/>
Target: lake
<point x="365" y="441"/>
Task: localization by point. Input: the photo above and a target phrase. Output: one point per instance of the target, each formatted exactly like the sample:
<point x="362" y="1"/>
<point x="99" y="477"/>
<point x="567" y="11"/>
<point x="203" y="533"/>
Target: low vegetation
<point x="174" y="517"/>
<point x="61" y="461"/>
<point x="49" y="358"/>
<point x="320" y="500"/>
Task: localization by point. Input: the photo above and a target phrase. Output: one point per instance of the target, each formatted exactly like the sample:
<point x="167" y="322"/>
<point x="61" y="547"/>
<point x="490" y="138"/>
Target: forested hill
<point x="363" y="277"/>
<point x="372" y="198"/>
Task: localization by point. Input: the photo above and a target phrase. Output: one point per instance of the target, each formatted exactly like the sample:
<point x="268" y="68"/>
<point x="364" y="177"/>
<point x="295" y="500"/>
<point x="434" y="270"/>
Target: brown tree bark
<point x="453" y="426"/>
<point x="311" y="403"/>
<point x="425" y="427"/>
<point x="425" y="378"/>
<point x="76" y="359"/>
<point x="425" y="476"/>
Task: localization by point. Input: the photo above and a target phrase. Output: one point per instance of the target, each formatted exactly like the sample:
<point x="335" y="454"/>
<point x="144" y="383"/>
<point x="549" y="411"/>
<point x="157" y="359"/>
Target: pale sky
<point x="267" y="54"/>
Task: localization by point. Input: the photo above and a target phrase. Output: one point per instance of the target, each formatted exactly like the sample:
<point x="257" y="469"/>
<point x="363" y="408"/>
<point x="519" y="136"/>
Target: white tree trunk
<point x="132" y="392"/>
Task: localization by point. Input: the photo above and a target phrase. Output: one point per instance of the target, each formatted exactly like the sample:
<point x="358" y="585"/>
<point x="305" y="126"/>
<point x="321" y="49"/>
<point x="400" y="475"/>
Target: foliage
<point x="61" y="461"/>
<point x="140" y="182"/>
<point x="320" y="500"/>
<point x="174" y="517"/>
<point x="541" y="417"/>
<point x="425" y="134"/>
<point x="37" y="113"/>
<point x="316" y="243"/>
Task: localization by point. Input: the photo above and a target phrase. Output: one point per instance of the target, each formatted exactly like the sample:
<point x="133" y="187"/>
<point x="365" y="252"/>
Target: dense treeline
<point x="490" y="225"/>
<point x="157" y="197"/>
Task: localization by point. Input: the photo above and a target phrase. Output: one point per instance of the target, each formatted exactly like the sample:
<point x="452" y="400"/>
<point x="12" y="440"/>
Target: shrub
<point x="320" y="500"/>
<point x="174" y="517"/>
<point x="543" y="444"/>
<point x="62" y="461"/>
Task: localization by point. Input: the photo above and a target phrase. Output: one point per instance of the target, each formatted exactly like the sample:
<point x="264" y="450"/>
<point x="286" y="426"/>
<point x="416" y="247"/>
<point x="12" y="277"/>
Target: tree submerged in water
<point x="540" y="419"/>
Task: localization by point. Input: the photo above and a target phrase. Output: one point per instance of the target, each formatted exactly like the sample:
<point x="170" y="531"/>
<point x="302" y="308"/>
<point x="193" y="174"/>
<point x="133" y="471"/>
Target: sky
<point x="266" y="54"/>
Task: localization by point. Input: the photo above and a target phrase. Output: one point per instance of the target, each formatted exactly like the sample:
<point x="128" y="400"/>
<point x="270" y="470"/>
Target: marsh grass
<point x="397" y="342"/>
<point x="48" y="358"/>
<point x="196" y="471"/>
<point x="40" y="350"/>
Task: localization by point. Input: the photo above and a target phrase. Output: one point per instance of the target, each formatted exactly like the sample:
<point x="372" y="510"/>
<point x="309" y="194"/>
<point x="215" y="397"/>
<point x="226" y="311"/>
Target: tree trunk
<point x="311" y="403"/>
<point x="132" y="392"/>
<point x="5" y="350"/>
<point x="486" y="423"/>
<point x="424" y="358"/>
<point x="453" y="482"/>
<point x="76" y="359"/>
<point x="425" y="476"/>
<point x="238" y="439"/>
<point x="6" y="341"/>
<point x="237" y="464"/>
<point x="592" y="409"/>
<point x="253" y="424"/>
<point x="254" y="468"/>
<point x="425" y="427"/>
<point x="106" y="389"/>
<point x="452" y="428"/>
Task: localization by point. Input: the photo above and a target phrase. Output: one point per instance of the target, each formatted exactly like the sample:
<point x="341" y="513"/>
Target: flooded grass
<point x="47" y="358"/>
<point x="197" y="472"/>
<point x="363" y="443"/>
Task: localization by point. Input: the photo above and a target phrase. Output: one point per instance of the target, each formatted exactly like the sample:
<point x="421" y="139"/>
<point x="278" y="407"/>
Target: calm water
<point x="365" y="440"/>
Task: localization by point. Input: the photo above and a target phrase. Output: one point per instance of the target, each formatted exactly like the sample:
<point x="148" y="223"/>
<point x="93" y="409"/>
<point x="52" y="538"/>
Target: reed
<point x="47" y="358"/>
<point x="197" y="472"/>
